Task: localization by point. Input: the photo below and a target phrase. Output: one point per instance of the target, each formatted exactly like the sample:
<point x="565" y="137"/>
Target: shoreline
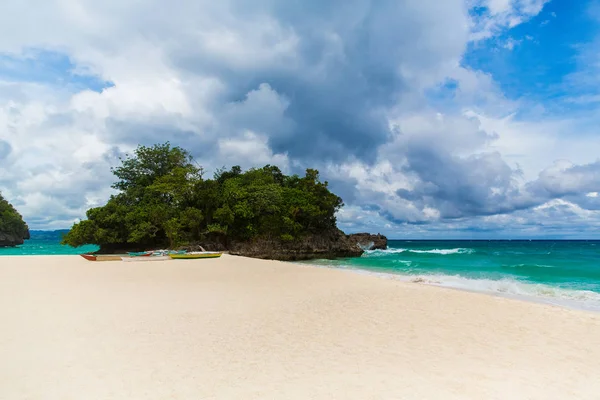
<point x="235" y="327"/>
<point x="411" y="279"/>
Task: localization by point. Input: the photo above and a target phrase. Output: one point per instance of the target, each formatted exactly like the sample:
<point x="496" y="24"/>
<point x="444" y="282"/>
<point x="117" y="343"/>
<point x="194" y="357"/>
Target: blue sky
<point x="47" y="67"/>
<point x="454" y="119"/>
<point x="534" y="59"/>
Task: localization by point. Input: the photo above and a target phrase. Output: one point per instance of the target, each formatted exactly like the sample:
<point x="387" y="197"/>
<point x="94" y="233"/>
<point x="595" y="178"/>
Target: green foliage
<point x="11" y="222"/>
<point x="164" y="201"/>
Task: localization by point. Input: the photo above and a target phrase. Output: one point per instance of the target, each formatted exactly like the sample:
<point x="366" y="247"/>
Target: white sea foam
<point x="417" y="251"/>
<point x="384" y="252"/>
<point x="583" y="299"/>
<point x="540" y="293"/>
<point x="444" y="251"/>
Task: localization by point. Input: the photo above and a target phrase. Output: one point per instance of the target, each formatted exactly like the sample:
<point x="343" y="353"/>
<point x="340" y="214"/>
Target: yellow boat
<point x="196" y="255"/>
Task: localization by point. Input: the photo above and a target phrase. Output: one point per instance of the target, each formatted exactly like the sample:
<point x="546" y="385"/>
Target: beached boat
<point x="167" y="252"/>
<point x="151" y="258"/>
<point x="196" y="255"/>
<point x="140" y="254"/>
<point x="103" y="257"/>
<point x="110" y="257"/>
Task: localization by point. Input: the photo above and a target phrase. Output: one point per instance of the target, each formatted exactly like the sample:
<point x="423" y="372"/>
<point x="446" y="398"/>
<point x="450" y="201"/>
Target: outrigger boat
<point x="140" y="254"/>
<point x="152" y="255"/>
<point x="103" y="257"/>
<point x="196" y="255"/>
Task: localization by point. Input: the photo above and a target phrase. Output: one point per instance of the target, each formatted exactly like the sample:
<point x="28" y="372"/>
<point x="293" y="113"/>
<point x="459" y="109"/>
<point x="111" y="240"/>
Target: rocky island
<point x="164" y="201"/>
<point x="13" y="230"/>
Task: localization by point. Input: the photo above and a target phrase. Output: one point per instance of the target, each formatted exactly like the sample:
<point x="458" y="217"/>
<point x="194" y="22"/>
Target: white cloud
<point x="250" y="150"/>
<point x="503" y="14"/>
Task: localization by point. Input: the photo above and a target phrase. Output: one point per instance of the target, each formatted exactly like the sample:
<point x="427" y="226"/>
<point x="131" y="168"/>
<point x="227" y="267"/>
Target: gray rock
<point x="368" y="241"/>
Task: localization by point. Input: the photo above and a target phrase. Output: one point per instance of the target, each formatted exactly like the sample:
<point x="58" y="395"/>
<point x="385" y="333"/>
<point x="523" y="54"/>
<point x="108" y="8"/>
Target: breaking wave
<point x="564" y="273"/>
<point x="511" y="288"/>
<point x="444" y="251"/>
<point x="418" y="251"/>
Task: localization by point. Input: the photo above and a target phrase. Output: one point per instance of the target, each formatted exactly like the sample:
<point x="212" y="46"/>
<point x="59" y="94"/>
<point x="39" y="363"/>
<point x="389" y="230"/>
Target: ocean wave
<point x="573" y="298"/>
<point x="418" y="251"/>
<point x="384" y="252"/>
<point x="444" y="251"/>
<point x="507" y="252"/>
<point x="527" y="266"/>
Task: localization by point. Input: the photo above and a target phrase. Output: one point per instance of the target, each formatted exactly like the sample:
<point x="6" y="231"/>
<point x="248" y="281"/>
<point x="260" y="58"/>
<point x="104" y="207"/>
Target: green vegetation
<point x="164" y="200"/>
<point x="12" y="227"/>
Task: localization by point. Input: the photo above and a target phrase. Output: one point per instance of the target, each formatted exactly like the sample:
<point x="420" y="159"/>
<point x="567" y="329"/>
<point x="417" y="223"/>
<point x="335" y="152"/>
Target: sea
<point x="563" y="273"/>
<point x="560" y="272"/>
<point x="45" y="243"/>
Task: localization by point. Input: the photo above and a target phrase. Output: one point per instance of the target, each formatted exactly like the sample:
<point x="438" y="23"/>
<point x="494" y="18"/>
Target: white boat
<point x="150" y="258"/>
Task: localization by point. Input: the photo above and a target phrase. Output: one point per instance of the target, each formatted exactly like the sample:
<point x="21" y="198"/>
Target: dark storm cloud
<point x="476" y="185"/>
<point x="484" y="185"/>
<point x="556" y="182"/>
<point x="341" y="81"/>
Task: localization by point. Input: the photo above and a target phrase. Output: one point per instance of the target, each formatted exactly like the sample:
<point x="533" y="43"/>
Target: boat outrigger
<point x="103" y="257"/>
<point x="150" y="258"/>
<point x="140" y="254"/>
<point x="196" y="255"/>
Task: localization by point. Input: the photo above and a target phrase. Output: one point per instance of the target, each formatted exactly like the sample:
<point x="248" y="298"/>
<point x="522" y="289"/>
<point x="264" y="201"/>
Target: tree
<point x="156" y="184"/>
<point x="13" y="230"/>
<point x="164" y="201"/>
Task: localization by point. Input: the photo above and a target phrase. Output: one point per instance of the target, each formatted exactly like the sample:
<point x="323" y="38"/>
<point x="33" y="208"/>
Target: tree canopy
<point x="11" y="222"/>
<point x="164" y="200"/>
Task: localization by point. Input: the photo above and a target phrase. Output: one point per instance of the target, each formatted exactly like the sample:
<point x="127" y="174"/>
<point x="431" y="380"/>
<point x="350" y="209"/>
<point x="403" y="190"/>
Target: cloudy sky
<point x="432" y="119"/>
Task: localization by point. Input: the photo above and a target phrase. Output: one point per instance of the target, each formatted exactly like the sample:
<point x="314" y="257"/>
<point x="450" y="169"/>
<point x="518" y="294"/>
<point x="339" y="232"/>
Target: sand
<point x="237" y="328"/>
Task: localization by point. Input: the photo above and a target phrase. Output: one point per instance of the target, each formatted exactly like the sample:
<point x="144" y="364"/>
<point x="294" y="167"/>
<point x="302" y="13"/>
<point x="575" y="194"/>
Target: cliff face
<point x="13" y="230"/>
<point x="332" y="245"/>
<point x="328" y="245"/>
<point x="11" y="240"/>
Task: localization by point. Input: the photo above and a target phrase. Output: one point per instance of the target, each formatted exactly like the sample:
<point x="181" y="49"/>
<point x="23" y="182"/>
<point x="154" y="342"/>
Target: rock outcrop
<point x="368" y="241"/>
<point x="332" y="245"/>
<point x="13" y="230"/>
<point x="329" y="245"/>
<point x="11" y="240"/>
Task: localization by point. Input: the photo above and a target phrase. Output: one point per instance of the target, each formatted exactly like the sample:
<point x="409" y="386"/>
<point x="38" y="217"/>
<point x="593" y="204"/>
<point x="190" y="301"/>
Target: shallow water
<point x="45" y="243"/>
<point x="557" y="272"/>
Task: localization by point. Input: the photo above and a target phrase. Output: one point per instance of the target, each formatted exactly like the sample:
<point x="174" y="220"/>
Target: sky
<point x="473" y="119"/>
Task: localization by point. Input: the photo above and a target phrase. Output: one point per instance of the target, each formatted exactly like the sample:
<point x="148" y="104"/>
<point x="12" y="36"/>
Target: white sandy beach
<point x="237" y="328"/>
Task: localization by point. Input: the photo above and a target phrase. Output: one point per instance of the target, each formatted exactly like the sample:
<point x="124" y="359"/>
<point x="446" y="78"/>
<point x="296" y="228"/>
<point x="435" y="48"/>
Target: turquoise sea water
<point x="45" y="243"/>
<point x="558" y="272"/>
